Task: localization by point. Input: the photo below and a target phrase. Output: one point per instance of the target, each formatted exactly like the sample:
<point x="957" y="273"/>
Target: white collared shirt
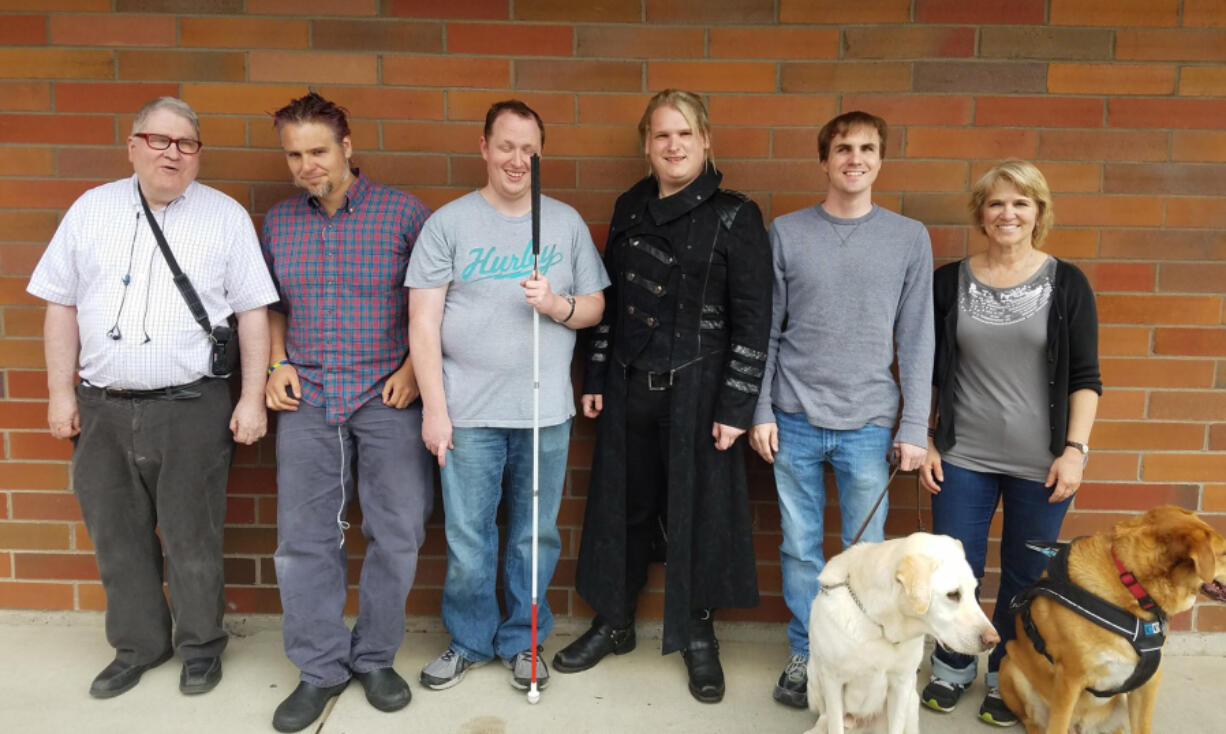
<point x="136" y="331"/>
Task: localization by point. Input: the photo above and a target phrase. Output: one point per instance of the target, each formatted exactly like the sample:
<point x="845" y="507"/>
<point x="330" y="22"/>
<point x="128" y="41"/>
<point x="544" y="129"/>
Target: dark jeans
<point x="314" y="487"/>
<point x="141" y="464"/>
<point x="963" y="509"/>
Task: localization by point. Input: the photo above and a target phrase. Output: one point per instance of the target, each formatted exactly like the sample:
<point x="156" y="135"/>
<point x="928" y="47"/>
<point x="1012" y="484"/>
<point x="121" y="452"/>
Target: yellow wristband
<point x="279" y="363"/>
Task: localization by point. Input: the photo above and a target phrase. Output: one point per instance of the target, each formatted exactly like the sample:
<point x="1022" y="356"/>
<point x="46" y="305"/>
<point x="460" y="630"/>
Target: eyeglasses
<point x="186" y="146"/>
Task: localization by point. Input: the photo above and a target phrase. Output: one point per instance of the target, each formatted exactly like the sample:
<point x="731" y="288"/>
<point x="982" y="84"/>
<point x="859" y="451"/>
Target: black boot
<point x="591" y="647"/>
<point x="702" y="659"/>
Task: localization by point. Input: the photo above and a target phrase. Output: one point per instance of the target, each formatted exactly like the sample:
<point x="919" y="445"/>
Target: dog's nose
<point x="989" y="637"/>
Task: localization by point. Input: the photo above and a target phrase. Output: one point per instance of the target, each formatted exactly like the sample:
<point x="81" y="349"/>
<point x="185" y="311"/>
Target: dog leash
<point x="877" y="504"/>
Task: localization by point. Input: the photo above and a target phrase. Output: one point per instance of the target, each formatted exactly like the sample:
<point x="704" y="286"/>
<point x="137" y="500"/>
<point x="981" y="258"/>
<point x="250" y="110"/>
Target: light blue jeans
<point x="472" y="489"/>
<point x="860" y="460"/>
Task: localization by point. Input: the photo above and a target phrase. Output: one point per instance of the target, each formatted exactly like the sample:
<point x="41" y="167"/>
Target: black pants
<point x="648" y="419"/>
<point x="145" y="464"/>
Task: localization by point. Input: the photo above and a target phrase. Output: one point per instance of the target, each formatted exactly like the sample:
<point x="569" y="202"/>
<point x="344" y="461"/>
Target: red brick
<point x="1039" y="112"/>
<point x="1202" y="81"/>
<point x="1135" y="497"/>
<point x="108" y="97"/>
<point x="602" y="11"/>
<point x="1152" y="372"/>
<point x="710" y="11"/>
<point x="254" y="99"/>
<point x="771" y="110"/>
<point x="225" y="131"/>
<point x="39" y="446"/>
<point x="25" y="96"/>
<point x="43" y="63"/>
<point x="1138" y="211"/>
<point x="1061" y="177"/>
<point x="908" y="42"/>
<point x="22" y="321"/>
<point x="1204" y="13"/>
<point x="33" y="475"/>
<point x="1191" y="342"/>
<point x="836" y="11"/>
<point x="1188" y="405"/>
<point x="1046" y="43"/>
<point x="243" y="33"/>
<point x="1011" y="12"/>
<point x="1183" y="467"/>
<point x="33" y="536"/>
<point x="1166" y="113"/>
<point x="926" y="142"/>
<point x="901" y="110"/>
<point x="993" y="77"/>
<point x="179" y="6"/>
<point x="1123" y="404"/>
<point x="24" y="30"/>
<point x="509" y="40"/>
<point x="554" y="108"/>
<point x="1217" y="437"/>
<point x="712" y="76"/>
<point x="919" y="176"/>
<point x="618" y="174"/>
<point x="384" y="103"/>
<point x="621" y="109"/>
<point x="1189" y="278"/>
<point x="771" y="43"/>
<point x="25" y="595"/>
<point x="1214" y="498"/>
<point x="637" y="42"/>
<point x="1103" y="145"/>
<point x="844" y="76"/>
<point x="932" y="208"/>
<point x="612" y="76"/>
<point x="112" y="30"/>
<point x="1106" y="277"/>
<point x="1210" y="618"/>
<point x="437" y="137"/>
<point x="377" y="35"/>
<point x="1115" y="13"/>
<point x="1158" y="309"/>
<point x="773" y="175"/>
<point x="72" y="129"/>
<point x="471" y="9"/>
<point x="16" y="161"/>
<point x="316" y="7"/>
<point x="1110" y="79"/>
<point x="1181" y="46"/>
<point x="98" y="163"/>
<point x="52" y="5"/>
<point x="739" y="142"/>
<point x="1148" y="436"/>
<point x="313" y="68"/>
<point x="1111" y="465"/>
<point x="1165" y="178"/>
<point x="28" y="384"/>
<point x="446" y="71"/>
<point x="55" y="566"/>
<point x="204" y="66"/>
<point x="1191" y="211"/>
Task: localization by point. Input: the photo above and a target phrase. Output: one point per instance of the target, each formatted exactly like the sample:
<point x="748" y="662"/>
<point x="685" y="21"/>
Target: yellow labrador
<point x="867" y="627"/>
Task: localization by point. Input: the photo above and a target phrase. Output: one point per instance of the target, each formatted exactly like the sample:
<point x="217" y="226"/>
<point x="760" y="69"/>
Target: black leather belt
<point x="187" y="391"/>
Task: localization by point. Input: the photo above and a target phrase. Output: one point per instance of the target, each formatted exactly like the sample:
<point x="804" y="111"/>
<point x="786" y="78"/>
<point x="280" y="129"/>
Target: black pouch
<point x="224" y="357"/>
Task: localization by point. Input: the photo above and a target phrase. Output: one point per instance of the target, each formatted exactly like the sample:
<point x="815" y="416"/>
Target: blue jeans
<point x="861" y="466"/>
<point x="472" y="488"/>
<point x="963" y="509"/>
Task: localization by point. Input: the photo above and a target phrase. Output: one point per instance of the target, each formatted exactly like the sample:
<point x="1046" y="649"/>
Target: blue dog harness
<point x="1145" y="635"/>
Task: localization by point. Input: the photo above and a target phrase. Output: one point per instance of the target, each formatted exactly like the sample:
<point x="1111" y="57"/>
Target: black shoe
<point x="702" y="662"/>
<point x="942" y="695"/>
<point x="199" y="675"/>
<point x="591" y="647"/>
<point x="994" y="711"/>
<point x="304" y="706"/>
<point x="120" y="677"/>
<point x="793" y="686"/>
<point x="385" y="689"/>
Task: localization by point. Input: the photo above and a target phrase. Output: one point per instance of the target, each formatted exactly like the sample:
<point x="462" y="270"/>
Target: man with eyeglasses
<point x="152" y="426"/>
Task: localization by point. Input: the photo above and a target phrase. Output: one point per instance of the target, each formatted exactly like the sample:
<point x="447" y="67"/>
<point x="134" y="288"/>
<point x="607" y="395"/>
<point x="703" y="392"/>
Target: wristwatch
<point x="1084" y="448"/>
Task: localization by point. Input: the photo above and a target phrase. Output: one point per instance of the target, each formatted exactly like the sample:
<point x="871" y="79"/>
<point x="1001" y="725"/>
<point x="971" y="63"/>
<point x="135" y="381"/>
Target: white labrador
<point x="867" y="627"/>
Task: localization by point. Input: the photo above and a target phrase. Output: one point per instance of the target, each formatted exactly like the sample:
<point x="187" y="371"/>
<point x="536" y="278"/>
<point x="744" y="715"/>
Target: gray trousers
<point x="315" y="464"/>
<point x="141" y="464"/>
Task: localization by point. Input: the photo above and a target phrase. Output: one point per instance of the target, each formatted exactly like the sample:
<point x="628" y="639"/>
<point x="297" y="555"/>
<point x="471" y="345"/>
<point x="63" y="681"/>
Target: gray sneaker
<point x="521" y="670"/>
<point x="446" y="670"/>
<point x="793" y="686"/>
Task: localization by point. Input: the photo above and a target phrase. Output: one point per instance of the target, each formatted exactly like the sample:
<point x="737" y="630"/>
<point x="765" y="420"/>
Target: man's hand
<point x="1065" y="475"/>
<point x="63" y="418"/>
<point x="725" y="436"/>
<point x="275" y="396"/>
<point x="436" y="434"/>
<point x="401" y="387"/>
<point x="249" y="422"/>
<point x="592" y="405"/>
<point x="764" y="439"/>
<point x="539" y="296"/>
<point x="910" y="456"/>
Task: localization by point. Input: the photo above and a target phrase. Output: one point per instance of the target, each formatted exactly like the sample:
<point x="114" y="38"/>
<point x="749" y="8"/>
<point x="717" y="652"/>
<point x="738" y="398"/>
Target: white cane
<point x="534" y="694"/>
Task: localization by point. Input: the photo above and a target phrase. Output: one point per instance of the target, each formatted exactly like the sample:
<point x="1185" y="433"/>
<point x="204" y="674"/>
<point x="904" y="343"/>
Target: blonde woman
<point x="673" y="372"/>
<point x="1016" y="385"/>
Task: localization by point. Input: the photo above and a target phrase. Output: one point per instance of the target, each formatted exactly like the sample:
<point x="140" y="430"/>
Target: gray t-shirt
<point x="849" y="294"/>
<point x="482" y="256"/>
<point x="1000" y="380"/>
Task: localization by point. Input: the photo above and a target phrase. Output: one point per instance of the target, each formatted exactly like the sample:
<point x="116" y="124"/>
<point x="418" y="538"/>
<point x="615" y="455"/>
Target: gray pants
<point x="141" y="464"/>
<point x="314" y="487"/>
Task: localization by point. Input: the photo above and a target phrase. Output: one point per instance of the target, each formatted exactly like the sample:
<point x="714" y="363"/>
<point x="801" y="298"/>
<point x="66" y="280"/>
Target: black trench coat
<point x="697" y="262"/>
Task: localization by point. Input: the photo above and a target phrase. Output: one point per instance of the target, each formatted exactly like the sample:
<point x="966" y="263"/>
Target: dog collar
<point x="846" y="584"/>
<point x="1130" y="582"/>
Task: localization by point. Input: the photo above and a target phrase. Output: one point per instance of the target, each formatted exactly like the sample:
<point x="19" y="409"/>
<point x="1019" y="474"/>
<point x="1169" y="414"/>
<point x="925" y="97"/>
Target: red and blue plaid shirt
<point x="341" y="280"/>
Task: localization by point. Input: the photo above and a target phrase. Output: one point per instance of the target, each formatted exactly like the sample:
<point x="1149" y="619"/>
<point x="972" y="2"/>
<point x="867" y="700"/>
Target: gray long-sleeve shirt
<point x="848" y="294"/>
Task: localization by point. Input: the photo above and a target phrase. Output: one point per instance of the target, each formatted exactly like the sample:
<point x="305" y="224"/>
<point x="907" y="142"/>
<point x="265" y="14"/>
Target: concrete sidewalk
<point x="51" y="659"/>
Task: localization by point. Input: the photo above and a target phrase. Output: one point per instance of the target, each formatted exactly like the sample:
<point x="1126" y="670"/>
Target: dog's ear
<point x="915" y="575"/>
<point x="1200" y="548"/>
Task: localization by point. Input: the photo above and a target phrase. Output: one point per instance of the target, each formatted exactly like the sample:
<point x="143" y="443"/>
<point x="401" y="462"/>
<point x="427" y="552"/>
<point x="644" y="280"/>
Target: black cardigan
<point x="1072" y="348"/>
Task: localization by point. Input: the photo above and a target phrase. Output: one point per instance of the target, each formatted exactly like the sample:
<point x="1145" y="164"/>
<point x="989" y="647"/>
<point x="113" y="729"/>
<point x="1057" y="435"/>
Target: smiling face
<point x="164" y="174"/>
<point x="1008" y="216"/>
<point x="853" y="162"/>
<point x="317" y="161"/>
<point x="677" y="152"/>
<point x="508" y="151"/>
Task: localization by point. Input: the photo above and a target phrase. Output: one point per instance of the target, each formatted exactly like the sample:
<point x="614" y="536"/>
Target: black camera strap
<point x="181" y="281"/>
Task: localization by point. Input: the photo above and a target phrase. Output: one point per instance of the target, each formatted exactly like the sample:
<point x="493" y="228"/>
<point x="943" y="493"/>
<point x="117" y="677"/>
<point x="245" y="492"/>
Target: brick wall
<point x="1122" y="103"/>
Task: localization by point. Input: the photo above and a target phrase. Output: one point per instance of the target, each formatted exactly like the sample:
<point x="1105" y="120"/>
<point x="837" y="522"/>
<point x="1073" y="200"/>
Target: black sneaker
<point x="942" y="695"/>
<point x="994" y="711"/>
<point x="793" y="685"/>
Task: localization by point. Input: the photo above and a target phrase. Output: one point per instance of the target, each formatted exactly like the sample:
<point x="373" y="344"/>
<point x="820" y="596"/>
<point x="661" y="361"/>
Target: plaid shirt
<point x="341" y="281"/>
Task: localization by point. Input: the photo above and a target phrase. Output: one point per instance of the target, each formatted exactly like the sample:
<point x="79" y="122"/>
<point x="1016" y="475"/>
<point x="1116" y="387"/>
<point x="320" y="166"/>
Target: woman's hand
<point x="930" y="472"/>
<point x="1065" y="475"/>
